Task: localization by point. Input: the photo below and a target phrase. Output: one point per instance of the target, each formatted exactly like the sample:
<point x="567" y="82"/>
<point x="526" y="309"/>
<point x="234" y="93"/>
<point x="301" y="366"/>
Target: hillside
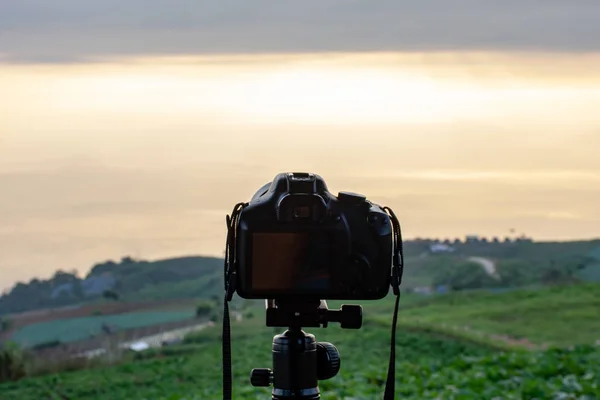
<point x="518" y="262"/>
<point x="432" y="361"/>
<point x="129" y="280"/>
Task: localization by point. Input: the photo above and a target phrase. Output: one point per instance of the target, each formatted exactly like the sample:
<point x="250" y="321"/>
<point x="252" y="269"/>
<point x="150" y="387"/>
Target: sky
<point x="132" y="129"/>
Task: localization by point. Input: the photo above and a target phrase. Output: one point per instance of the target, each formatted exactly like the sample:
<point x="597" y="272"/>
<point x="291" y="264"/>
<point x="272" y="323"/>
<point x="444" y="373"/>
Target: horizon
<point x="82" y="274"/>
<point x="163" y="148"/>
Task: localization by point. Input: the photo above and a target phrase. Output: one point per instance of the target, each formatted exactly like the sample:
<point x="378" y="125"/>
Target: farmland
<point x="433" y="360"/>
<point x="68" y="330"/>
<point x="99" y="308"/>
<point x="518" y="315"/>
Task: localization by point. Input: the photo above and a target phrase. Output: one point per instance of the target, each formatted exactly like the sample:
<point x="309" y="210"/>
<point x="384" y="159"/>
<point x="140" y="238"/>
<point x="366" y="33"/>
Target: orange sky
<point x="145" y="156"/>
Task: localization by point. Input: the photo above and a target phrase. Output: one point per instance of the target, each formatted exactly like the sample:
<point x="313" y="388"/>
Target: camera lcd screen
<point x="297" y="262"/>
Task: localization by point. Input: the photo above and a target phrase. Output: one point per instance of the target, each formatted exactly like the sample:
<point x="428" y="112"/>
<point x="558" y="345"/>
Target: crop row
<point x="427" y="368"/>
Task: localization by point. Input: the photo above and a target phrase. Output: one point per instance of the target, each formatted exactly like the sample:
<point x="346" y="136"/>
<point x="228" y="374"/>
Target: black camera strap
<point x="230" y="271"/>
<point x="397" y="270"/>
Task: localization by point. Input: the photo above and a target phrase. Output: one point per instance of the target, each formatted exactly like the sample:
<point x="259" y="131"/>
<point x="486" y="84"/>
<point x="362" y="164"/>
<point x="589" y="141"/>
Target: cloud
<point x="75" y="30"/>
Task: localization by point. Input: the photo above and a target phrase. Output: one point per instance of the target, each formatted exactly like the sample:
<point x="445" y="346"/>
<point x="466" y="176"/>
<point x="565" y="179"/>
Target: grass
<point x="197" y="373"/>
<point x="72" y="329"/>
<point x="555" y="316"/>
<point x="434" y="361"/>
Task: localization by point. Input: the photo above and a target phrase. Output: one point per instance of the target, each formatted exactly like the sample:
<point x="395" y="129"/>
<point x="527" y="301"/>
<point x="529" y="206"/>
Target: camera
<point x="297" y="241"/>
<point x="296" y="245"/>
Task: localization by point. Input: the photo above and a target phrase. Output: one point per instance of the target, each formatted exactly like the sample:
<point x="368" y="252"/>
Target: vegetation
<point x="534" y="334"/>
<point x="519" y="263"/>
<point x="466" y="275"/>
<point x="434" y="360"/>
<point x="204" y="309"/>
<point x="12" y="364"/>
<point x="127" y="280"/>
<point x="110" y="295"/>
<point x="513" y="316"/>
<point x="85" y="327"/>
<point x="5" y="324"/>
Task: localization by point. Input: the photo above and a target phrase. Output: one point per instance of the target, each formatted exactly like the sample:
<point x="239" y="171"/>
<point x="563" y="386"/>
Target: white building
<point x="441" y="248"/>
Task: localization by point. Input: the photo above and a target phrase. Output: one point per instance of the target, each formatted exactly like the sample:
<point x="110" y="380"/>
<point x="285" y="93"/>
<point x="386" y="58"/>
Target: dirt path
<point x="488" y="265"/>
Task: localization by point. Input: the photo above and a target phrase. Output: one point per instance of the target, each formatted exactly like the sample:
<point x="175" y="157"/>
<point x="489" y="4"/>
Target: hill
<point x="129" y="280"/>
<point x="519" y="262"/>
<point x="432" y="360"/>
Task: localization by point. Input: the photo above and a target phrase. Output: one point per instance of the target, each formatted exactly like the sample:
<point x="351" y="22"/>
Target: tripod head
<point x="299" y="361"/>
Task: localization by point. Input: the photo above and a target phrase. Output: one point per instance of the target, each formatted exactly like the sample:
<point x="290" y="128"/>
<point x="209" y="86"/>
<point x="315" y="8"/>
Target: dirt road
<point x="488" y="265"/>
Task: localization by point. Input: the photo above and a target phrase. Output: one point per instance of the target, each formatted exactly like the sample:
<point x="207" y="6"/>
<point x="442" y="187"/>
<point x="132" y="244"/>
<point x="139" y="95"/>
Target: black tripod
<point x="299" y="361"/>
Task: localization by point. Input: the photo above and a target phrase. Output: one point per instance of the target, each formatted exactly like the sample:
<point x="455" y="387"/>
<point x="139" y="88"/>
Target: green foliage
<point x="5" y="324"/>
<point x="110" y="295"/>
<point x="12" y="364"/>
<point x="136" y="280"/>
<point x="464" y="276"/>
<point x="430" y="365"/>
<point x="422" y="271"/>
<point x="204" y="309"/>
<point x="518" y="263"/>
<point x="428" y="368"/>
<point x="517" y="314"/>
<point x="193" y="370"/>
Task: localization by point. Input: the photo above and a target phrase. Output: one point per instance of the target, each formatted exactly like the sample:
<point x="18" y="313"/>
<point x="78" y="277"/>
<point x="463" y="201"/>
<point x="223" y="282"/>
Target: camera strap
<point x="397" y="271"/>
<point x="230" y="271"/>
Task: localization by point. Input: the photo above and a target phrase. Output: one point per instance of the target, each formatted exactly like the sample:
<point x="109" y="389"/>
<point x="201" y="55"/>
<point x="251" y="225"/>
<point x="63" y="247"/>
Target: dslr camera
<point x="296" y="245"/>
<point x="296" y="241"/>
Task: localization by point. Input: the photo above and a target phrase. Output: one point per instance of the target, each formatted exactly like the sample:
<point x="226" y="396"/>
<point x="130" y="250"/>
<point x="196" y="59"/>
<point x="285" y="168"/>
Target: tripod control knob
<point x="261" y="377"/>
<point x="328" y="361"/>
<point x="351" y="317"/>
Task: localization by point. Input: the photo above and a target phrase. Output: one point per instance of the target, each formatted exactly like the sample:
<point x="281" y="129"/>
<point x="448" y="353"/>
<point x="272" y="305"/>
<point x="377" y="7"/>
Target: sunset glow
<point x="457" y="143"/>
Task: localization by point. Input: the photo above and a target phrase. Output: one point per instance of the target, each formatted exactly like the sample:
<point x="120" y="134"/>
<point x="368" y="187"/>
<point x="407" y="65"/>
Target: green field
<point x="560" y="316"/>
<point x="439" y="364"/>
<point x="68" y="330"/>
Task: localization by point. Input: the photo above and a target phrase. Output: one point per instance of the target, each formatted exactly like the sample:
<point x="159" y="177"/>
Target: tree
<point x="101" y="268"/>
<point x="464" y="276"/>
<point x="204" y="309"/>
<point x="127" y="260"/>
<point x="5" y="324"/>
<point x="110" y="295"/>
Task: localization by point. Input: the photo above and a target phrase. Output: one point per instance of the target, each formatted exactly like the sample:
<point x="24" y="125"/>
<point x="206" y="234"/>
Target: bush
<point x="12" y="364"/>
<point x="110" y="295"/>
<point x="465" y="276"/>
<point x="204" y="309"/>
<point x="5" y="324"/>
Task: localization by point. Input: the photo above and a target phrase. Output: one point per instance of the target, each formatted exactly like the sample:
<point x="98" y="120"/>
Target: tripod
<point x="299" y="361"/>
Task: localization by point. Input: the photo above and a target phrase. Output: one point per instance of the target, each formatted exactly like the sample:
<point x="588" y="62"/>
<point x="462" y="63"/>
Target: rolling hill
<point x="519" y="263"/>
<point x="129" y="280"/>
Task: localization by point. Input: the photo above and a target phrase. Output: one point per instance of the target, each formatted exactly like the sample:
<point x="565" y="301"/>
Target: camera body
<point x="297" y="241"/>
